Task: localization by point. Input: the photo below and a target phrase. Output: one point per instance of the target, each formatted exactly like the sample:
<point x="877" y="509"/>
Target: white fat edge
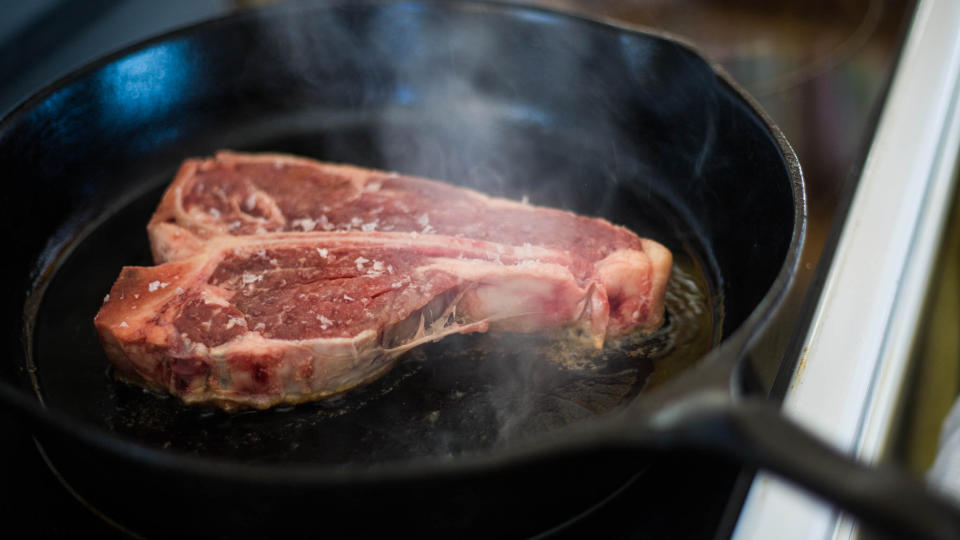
<point x="390" y="240"/>
<point x="526" y="250"/>
<point x="479" y="269"/>
<point x="329" y="347"/>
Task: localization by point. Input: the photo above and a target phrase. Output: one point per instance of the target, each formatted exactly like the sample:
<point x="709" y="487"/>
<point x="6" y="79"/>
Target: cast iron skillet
<point x="472" y="433"/>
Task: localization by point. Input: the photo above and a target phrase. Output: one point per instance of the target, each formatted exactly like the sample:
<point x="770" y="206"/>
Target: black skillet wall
<point x="572" y="115"/>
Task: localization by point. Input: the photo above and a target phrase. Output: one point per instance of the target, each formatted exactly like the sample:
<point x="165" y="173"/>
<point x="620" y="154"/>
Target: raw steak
<point x="282" y="280"/>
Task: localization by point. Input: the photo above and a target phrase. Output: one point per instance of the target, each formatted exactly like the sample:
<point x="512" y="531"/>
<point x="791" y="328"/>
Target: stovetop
<point x="819" y="69"/>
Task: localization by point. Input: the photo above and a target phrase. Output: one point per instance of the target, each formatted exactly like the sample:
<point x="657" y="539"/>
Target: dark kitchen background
<point x="819" y="68"/>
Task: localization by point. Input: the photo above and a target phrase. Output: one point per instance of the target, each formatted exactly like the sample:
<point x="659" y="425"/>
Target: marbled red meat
<point x="282" y="280"/>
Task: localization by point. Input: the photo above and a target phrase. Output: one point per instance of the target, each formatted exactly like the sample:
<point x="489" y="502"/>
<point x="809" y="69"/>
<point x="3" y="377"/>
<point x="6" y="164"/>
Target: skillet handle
<point x="889" y="502"/>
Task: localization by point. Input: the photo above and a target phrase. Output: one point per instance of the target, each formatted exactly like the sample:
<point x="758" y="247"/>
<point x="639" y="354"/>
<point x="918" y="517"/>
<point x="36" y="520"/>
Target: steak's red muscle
<point x="281" y="280"/>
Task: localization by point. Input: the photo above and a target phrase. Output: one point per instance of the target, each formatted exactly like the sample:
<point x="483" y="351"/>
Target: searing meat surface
<point x="282" y="280"/>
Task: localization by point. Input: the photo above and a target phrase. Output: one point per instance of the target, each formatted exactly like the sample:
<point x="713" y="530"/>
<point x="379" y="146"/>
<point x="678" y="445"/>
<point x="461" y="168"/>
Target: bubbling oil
<point x="687" y="335"/>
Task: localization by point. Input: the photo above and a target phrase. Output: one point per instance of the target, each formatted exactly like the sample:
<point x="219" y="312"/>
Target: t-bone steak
<point x="280" y="279"/>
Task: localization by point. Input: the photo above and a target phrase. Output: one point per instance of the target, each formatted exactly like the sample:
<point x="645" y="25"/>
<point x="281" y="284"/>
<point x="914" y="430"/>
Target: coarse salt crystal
<point x="323" y="252"/>
<point x="106" y="299"/>
<point x="306" y="224"/>
<point x="123" y="324"/>
<point x="153" y="286"/>
<point x="214" y="212"/>
<point x="325" y="223"/>
<point x="324" y="322"/>
<point x="360" y="262"/>
<point x="348" y="298"/>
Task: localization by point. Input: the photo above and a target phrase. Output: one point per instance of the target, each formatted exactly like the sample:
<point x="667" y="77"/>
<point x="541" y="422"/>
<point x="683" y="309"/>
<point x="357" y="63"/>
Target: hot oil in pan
<point x="461" y="395"/>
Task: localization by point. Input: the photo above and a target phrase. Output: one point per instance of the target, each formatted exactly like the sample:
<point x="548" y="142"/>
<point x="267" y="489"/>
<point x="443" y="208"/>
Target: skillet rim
<point x="416" y="468"/>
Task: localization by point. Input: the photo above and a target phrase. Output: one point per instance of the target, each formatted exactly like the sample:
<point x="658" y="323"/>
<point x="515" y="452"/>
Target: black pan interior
<point x="570" y="114"/>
